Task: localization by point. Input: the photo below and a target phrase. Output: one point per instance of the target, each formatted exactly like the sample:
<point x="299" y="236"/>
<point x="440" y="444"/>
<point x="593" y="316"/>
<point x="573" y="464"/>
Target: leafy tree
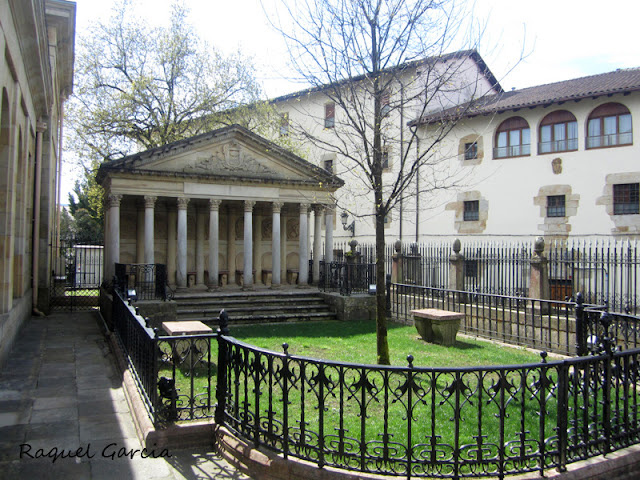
<point x="358" y="53"/>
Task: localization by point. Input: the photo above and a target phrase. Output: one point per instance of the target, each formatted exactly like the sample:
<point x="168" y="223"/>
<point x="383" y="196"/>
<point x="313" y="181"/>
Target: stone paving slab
<point x="61" y="396"/>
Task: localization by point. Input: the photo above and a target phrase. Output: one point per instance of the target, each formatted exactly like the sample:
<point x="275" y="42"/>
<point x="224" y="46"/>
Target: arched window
<point x="609" y="125"/>
<point x="558" y="132"/>
<point x="513" y="138"/>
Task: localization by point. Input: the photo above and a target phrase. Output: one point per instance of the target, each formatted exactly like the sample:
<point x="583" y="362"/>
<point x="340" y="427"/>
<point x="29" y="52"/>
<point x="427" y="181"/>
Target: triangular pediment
<point x="232" y="153"/>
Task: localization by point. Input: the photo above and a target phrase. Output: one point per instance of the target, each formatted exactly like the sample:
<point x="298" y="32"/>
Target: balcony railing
<point x="610" y="140"/>
<point x="512" y="151"/>
<point x="558" y="146"/>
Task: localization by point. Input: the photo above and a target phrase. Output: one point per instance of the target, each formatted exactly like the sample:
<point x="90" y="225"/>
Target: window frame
<point x="471" y="210"/>
<point x="601" y="117"/>
<point x="471" y="150"/>
<point x="556" y="206"/>
<point x="509" y="127"/>
<point x="563" y="119"/>
<point x="626" y="202"/>
<point x="329" y="115"/>
<point x="328" y="162"/>
<point x="284" y="124"/>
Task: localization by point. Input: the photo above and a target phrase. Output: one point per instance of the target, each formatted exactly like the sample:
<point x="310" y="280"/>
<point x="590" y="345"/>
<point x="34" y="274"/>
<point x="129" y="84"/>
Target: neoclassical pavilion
<point x="223" y="207"/>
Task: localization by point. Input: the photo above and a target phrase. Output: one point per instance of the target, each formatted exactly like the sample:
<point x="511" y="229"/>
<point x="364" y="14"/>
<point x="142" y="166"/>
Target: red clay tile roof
<point x="618" y="81"/>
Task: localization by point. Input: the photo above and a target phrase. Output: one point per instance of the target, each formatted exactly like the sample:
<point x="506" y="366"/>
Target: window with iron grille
<point x="328" y="165"/>
<point x="471" y="211"/>
<point x="330" y="115"/>
<point x="556" y="206"/>
<point x="385" y="158"/>
<point x="471" y="151"/>
<point x="626" y="199"/>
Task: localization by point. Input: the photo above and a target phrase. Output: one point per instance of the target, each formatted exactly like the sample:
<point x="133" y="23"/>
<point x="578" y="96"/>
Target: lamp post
<point x="344" y="216"/>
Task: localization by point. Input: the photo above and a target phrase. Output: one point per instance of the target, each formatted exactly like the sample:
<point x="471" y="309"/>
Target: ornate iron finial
<point x="285" y="348"/>
<point x="397" y="246"/>
<point x="410" y="360"/>
<point x="544" y="355"/>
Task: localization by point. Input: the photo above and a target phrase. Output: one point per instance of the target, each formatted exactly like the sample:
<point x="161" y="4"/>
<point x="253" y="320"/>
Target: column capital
<point x="304" y="207"/>
<point x="248" y="205"/>
<point x="329" y="208"/>
<point x="277" y="206"/>
<point x="182" y="203"/>
<point x="318" y="209"/>
<point x="113" y="200"/>
<point x="214" y="204"/>
<point x="149" y="201"/>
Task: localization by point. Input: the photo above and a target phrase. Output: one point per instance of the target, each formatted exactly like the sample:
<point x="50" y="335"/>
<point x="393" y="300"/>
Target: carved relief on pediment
<point x="226" y="160"/>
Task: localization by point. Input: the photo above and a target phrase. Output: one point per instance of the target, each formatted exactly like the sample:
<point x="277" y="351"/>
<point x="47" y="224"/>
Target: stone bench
<point x="437" y="326"/>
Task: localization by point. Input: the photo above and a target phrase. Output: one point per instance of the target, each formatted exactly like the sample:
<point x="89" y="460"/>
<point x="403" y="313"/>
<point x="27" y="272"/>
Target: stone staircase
<point x="260" y="306"/>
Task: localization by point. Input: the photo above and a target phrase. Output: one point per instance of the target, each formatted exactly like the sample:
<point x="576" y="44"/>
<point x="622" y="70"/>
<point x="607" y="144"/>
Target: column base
<point x="275" y="286"/>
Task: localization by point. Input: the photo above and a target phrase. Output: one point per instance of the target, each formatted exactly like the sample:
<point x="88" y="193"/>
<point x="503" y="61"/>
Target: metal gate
<point x="76" y="276"/>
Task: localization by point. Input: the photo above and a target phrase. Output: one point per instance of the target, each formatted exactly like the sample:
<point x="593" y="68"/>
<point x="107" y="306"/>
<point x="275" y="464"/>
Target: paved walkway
<point x="60" y="392"/>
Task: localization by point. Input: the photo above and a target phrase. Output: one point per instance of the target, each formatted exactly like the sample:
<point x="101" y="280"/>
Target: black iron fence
<point x="347" y="277"/>
<point x="76" y="274"/>
<point x="145" y="281"/>
<point x="605" y="272"/>
<point x="175" y="375"/>
<point x="408" y="421"/>
<point x="430" y="422"/>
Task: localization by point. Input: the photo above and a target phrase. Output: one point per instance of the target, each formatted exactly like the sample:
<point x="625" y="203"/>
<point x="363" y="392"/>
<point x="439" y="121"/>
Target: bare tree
<point x="359" y="54"/>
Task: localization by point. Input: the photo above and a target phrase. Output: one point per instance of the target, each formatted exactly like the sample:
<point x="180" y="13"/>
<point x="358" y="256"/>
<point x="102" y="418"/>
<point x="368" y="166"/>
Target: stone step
<point x="259" y="318"/>
<point x="215" y="310"/>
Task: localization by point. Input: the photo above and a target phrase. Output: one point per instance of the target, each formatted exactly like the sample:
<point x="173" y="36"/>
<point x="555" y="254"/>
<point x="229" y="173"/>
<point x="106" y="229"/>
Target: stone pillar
<point x="231" y="246"/>
<point x="199" y="248"/>
<point x="257" y="251"/>
<point x="140" y="233"/>
<point x="539" y="281"/>
<point x="149" y="241"/>
<point x="248" y="247"/>
<point x="214" y="236"/>
<point x="181" y="273"/>
<point x="172" y="223"/>
<point x="283" y="247"/>
<point x="396" y="264"/>
<point x="456" y="271"/>
<point x="317" y="242"/>
<point x="328" y="245"/>
<point x="275" y="245"/>
<point x="303" y="269"/>
<point x="112" y="253"/>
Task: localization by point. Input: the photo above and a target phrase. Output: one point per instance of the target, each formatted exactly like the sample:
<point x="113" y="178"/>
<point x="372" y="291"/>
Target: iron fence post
<point x="388" y="287"/>
<point x="581" y="337"/>
<point x="562" y="422"/>
<point x="221" y="386"/>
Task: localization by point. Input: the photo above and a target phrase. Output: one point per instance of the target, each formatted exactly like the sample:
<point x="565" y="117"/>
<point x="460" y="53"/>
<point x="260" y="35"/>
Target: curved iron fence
<point x="430" y="422"/>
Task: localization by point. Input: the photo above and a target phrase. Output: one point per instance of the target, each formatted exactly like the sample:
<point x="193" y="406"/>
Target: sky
<point x="561" y="39"/>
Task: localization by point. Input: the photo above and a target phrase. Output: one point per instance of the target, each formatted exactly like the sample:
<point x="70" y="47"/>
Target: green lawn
<point x="355" y="342"/>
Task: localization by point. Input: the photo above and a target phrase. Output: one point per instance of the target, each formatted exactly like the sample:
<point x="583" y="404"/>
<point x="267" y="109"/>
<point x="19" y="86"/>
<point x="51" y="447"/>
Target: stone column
<point x="181" y="274"/>
<point x="276" y="278"/>
<point x="112" y="253"/>
<point x="303" y="269"/>
<point x="248" y="247"/>
<point x="231" y="246"/>
<point x="317" y="242"/>
<point x="283" y="247"/>
<point x="328" y="241"/>
<point x="214" y="235"/>
<point x="149" y="242"/>
<point x="140" y="233"/>
<point x="257" y="251"/>
<point x="172" y="223"/>
<point x="199" y="248"/>
<point x="539" y="281"/>
<point x="456" y="270"/>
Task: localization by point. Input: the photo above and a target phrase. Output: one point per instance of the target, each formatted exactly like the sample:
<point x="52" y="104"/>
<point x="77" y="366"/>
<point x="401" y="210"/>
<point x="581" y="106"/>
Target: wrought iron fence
<point x="540" y="324"/>
<point x="145" y="281"/>
<point x="175" y="375"/>
<point x="430" y="422"/>
<point x="347" y="278"/>
<point x="76" y="274"/>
